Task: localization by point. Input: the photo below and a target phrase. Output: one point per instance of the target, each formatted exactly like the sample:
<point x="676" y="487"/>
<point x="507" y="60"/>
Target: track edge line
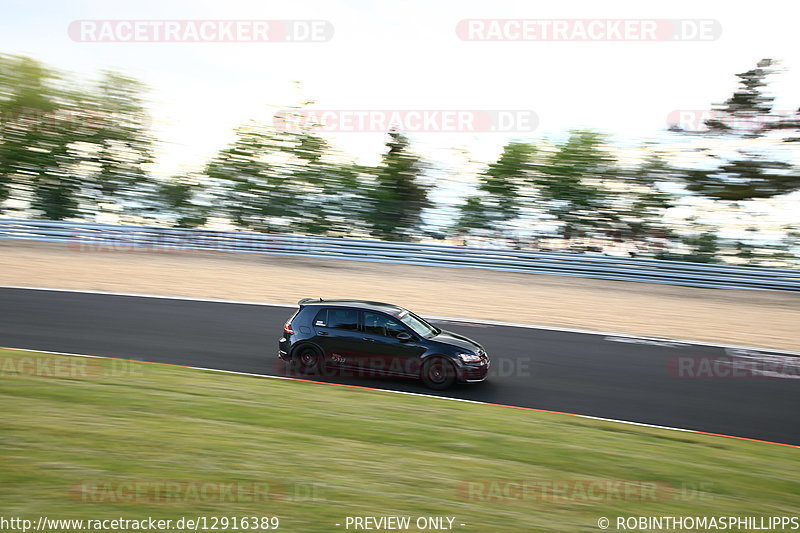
<point x="407" y="393"/>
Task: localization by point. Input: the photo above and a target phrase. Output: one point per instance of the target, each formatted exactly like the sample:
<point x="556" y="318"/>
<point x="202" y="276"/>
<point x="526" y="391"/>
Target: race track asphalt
<point x="593" y="374"/>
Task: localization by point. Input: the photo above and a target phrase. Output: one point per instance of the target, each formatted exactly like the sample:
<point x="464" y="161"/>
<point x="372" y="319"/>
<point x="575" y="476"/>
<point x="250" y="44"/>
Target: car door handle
<point x="367" y="339"/>
<point x="322" y="333"/>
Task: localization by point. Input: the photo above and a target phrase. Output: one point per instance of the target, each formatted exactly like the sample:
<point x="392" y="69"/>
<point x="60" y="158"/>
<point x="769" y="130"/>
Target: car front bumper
<point x="473" y="373"/>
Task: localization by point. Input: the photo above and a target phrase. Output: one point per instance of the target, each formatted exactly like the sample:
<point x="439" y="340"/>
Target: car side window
<point x="321" y="318"/>
<point x="342" y="319"/>
<point x="378" y="324"/>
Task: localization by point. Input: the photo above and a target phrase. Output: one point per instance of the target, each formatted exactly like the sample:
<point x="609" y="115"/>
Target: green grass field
<point x="74" y="442"/>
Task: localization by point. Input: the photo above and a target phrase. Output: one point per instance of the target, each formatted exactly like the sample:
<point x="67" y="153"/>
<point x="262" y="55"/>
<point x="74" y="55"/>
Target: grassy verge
<point x="137" y="440"/>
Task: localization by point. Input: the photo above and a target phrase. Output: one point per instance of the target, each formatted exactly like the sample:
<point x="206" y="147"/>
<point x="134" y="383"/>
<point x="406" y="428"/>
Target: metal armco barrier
<point x="86" y="236"/>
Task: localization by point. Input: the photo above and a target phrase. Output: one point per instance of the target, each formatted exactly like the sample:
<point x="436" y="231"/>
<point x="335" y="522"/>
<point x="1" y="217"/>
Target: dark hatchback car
<point x="354" y="337"/>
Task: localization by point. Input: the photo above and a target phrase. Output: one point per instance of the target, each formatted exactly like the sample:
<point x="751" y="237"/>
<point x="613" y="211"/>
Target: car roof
<point x="362" y="304"/>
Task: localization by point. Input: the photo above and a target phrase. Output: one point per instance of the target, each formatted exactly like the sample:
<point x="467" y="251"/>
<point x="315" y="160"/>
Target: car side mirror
<point x="403" y="336"/>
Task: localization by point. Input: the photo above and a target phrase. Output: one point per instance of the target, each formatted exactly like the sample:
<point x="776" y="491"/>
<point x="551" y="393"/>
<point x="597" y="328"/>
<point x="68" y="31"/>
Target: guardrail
<point x="86" y="236"/>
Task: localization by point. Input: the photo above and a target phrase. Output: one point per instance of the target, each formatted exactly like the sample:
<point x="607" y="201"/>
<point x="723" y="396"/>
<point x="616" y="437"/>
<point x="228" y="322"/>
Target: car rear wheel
<point x="438" y="373"/>
<point x="307" y="360"/>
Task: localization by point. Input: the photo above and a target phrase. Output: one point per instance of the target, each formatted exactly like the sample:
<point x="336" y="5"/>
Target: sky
<point x="407" y="55"/>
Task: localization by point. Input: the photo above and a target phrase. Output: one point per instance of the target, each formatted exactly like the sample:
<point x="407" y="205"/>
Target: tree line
<point x="73" y="150"/>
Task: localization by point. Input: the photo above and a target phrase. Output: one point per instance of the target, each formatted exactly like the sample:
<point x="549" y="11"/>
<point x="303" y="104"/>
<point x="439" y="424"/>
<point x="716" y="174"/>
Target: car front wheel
<point x="438" y="373"/>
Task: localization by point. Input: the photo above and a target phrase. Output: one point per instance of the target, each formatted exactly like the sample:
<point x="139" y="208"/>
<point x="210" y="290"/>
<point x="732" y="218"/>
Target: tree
<point x="704" y="248"/>
<point x="396" y="197"/>
<point x="178" y="198"/>
<point x="331" y="194"/>
<point x="115" y="142"/>
<point x="273" y="180"/>
<point x="745" y="116"/>
<point x="640" y="200"/>
<point x="474" y="214"/>
<point x="251" y="185"/>
<point x="569" y="183"/>
<point x="499" y="199"/>
<point x="67" y="148"/>
<point x="35" y="133"/>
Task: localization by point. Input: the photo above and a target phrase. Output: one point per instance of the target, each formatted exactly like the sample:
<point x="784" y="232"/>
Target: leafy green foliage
<point x="75" y="150"/>
<point x="70" y="149"/>
<point x="179" y="198"/>
<point x="570" y="180"/>
<point x="747" y="115"/>
<point x="499" y="190"/>
<point x="271" y="180"/>
<point x="252" y="191"/>
<point x="120" y="146"/>
<point x="34" y="137"/>
<point x="396" y="197"/>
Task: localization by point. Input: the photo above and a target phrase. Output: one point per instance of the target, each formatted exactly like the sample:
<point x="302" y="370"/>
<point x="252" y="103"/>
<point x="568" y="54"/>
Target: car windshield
<point x="418" y="325"/>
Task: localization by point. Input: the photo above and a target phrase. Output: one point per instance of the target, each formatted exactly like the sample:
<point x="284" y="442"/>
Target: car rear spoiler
<point x="308" y="300"/>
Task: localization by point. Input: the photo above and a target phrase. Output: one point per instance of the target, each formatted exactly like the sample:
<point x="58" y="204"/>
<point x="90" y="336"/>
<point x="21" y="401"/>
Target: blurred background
<point x="670" y="150"/>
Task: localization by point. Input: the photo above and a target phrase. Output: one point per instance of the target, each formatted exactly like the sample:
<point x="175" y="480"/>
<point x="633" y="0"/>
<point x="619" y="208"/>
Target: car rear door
<point x="336" y="331"/>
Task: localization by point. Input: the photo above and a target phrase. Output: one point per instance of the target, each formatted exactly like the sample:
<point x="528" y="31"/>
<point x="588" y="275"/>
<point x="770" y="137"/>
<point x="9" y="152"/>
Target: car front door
<point x="383" y="352"/>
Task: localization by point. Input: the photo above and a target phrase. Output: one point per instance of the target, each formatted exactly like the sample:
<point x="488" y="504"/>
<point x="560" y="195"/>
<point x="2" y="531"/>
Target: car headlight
<point x="469" y="357"/>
